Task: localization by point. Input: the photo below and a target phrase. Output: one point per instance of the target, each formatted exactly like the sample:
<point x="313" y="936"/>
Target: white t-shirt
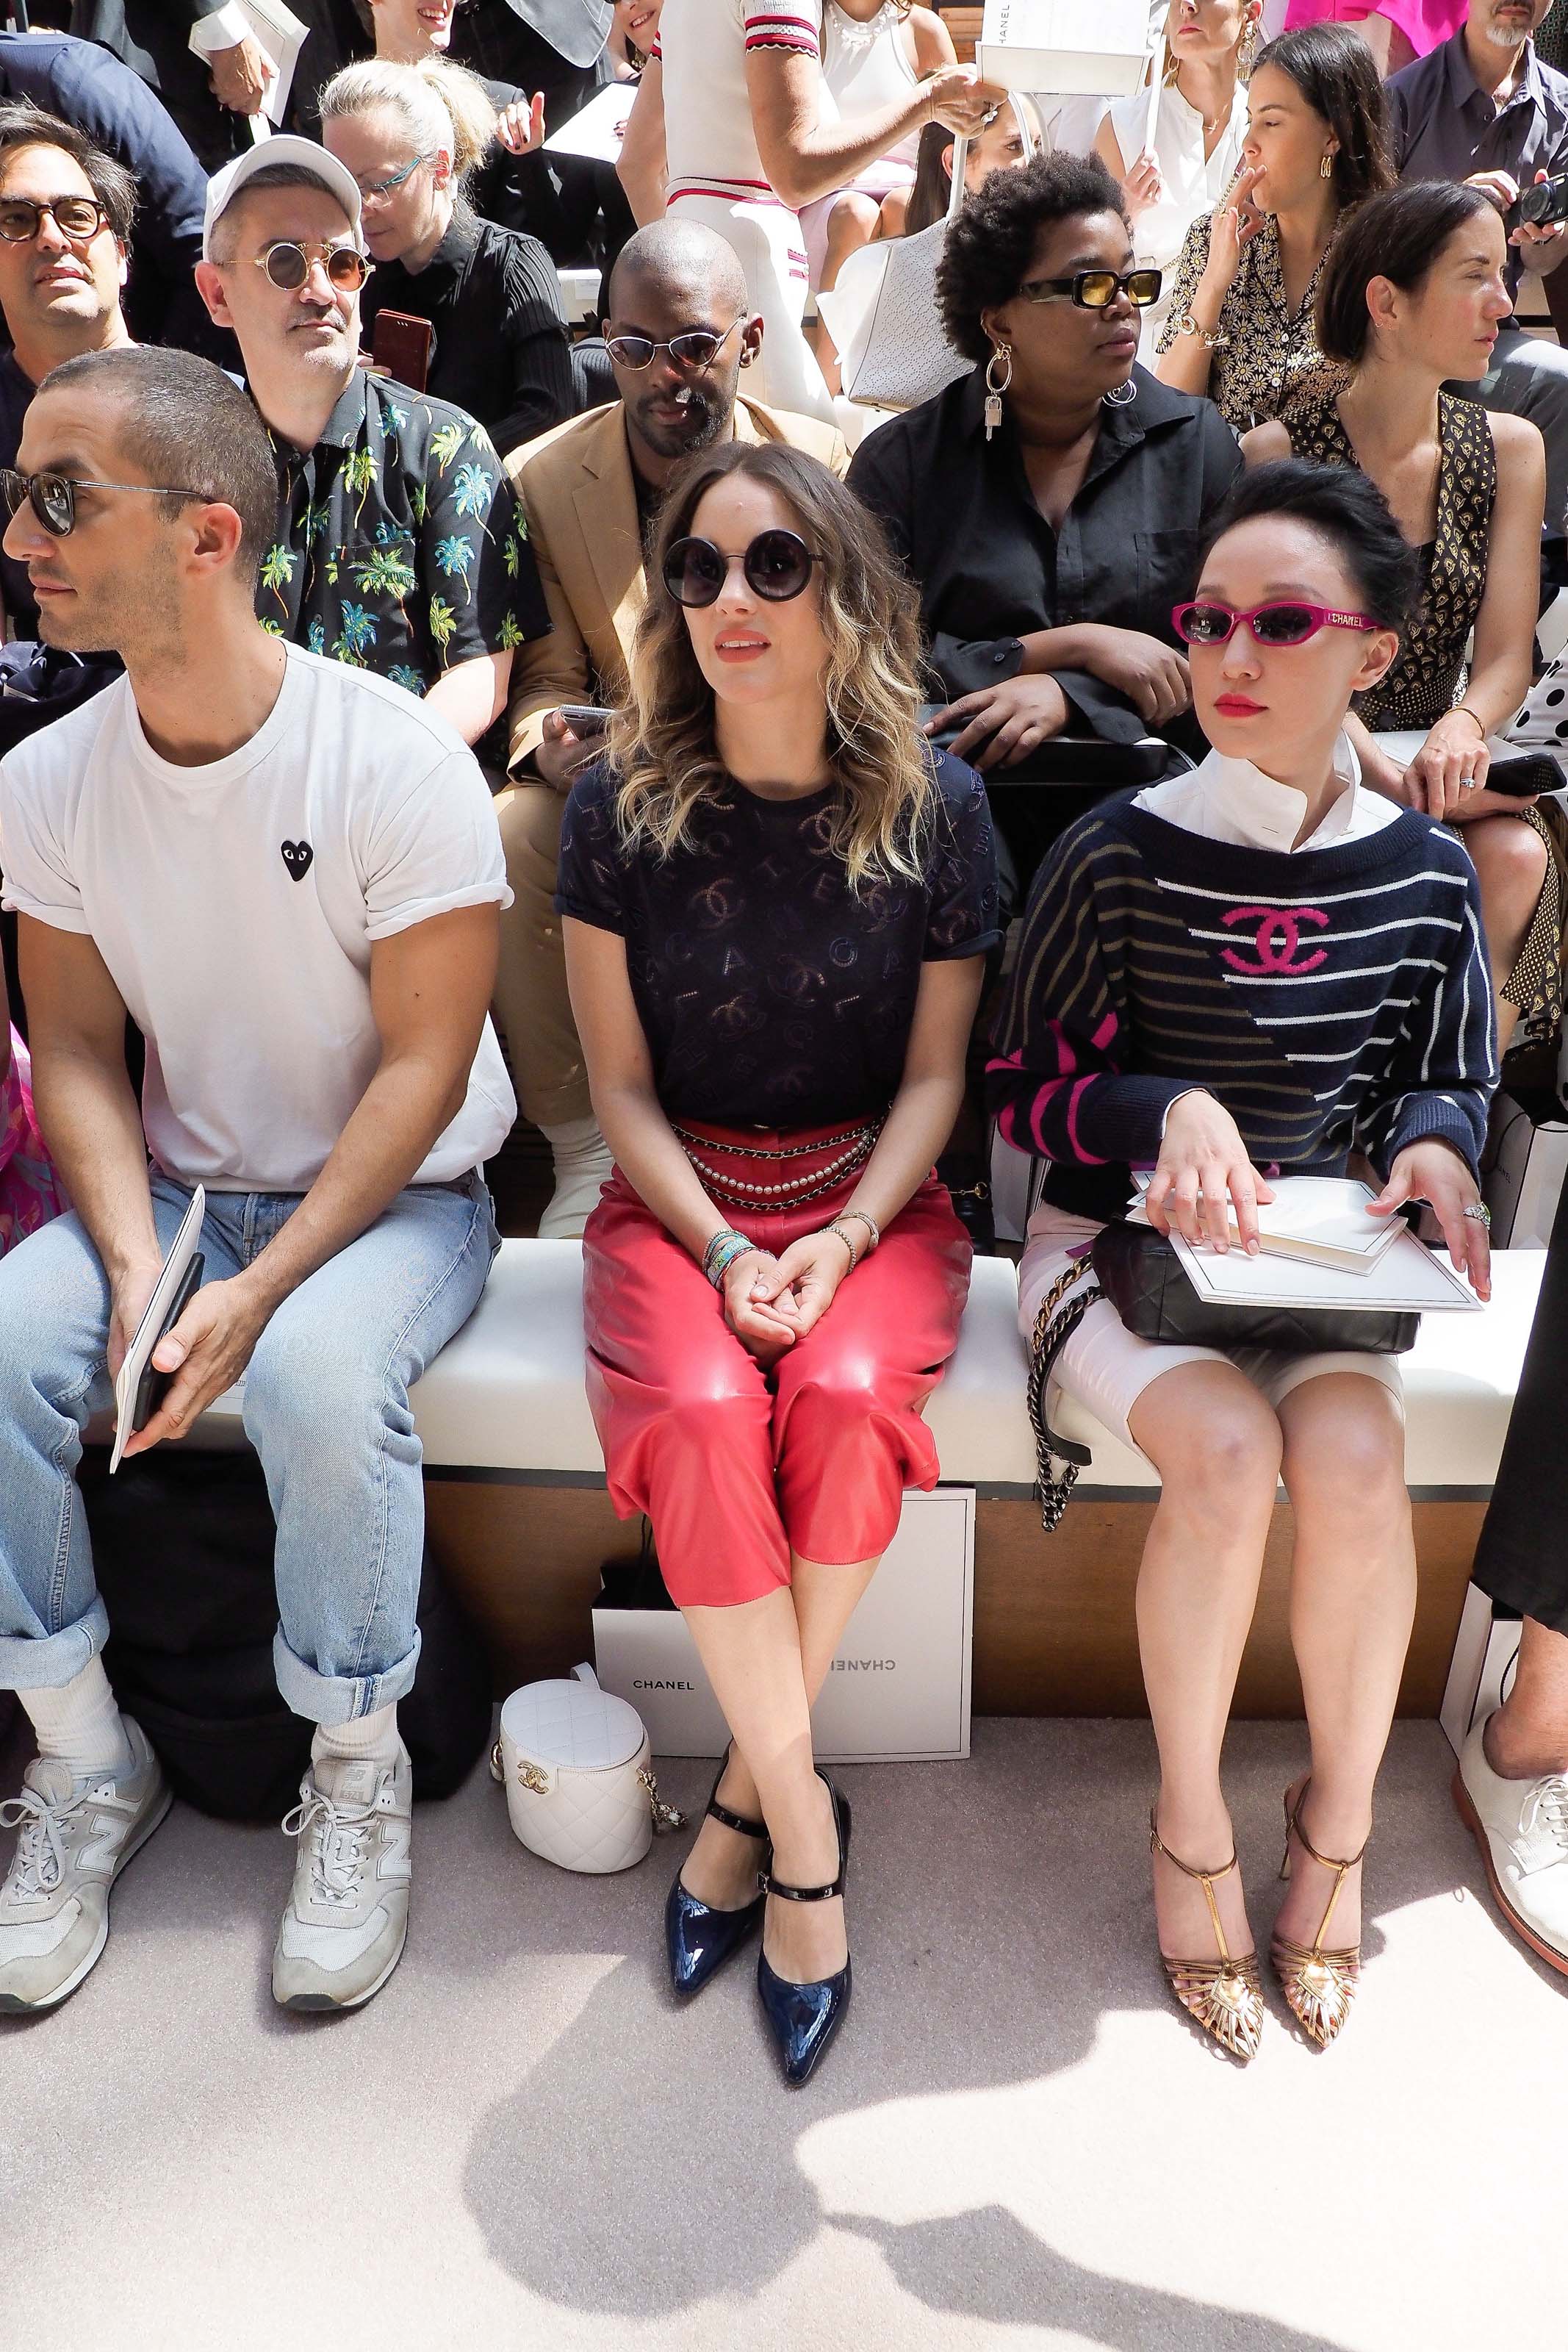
<point x="236" y="906"/>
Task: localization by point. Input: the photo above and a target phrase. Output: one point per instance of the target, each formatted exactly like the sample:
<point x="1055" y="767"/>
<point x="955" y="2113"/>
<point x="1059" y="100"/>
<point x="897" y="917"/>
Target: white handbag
<point x="882" y="314"/>
<point x="574" y="1762"/>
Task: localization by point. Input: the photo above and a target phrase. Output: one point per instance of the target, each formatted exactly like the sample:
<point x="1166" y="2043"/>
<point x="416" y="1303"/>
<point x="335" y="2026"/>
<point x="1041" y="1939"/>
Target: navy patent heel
<point x="697" y="1938"/>
<point x="804" y="2017"/>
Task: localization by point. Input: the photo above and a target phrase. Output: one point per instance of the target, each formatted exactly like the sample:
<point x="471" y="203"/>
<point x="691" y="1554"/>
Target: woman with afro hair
<point x="1051" y="503"/>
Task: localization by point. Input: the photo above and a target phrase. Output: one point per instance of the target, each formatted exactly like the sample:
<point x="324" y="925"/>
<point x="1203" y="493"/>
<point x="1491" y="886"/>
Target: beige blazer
<point x="574" y="484"/>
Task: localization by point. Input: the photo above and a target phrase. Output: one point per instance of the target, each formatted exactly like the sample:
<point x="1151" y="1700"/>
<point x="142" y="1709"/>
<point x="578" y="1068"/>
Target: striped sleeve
<point x="1056" y="1084"/>
<point x="775" y="27"/>
<point x="1441" y="1077"/>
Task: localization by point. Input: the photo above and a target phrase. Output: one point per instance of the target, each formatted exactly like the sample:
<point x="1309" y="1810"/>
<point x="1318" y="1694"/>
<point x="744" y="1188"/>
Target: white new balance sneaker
<point x="77" y="1836"/>
<point x="1521" y="1828"/>
<point x="347" y="1920"/>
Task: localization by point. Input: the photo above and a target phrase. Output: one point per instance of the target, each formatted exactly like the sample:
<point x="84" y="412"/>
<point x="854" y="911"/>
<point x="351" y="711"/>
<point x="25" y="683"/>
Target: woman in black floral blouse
<point x="1240" y="326"/>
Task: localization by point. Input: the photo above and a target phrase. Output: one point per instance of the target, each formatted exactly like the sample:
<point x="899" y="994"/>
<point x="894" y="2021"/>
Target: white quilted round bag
<point x="574" y="1762"/>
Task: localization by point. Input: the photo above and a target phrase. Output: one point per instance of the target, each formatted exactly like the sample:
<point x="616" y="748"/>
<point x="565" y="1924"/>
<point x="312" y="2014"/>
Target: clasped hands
<point x="771" y="1302"/>
<point x="1204" y="1179"/>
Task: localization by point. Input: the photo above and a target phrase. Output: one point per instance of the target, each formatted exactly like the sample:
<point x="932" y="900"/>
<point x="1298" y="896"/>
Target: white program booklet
<point x="1324" y="1220"/>
<point x="598" y="130"/>
<point x="1408" y="1278"/>
<point x="279" y="35"/>
<point x="181" y="1250"/>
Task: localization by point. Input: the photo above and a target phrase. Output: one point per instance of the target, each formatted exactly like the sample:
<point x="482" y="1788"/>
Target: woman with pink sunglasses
<point x="1251" y="970"/>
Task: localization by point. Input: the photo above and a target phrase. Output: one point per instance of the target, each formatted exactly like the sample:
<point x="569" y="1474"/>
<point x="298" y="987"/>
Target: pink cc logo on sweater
<point x="1278" y="937"/>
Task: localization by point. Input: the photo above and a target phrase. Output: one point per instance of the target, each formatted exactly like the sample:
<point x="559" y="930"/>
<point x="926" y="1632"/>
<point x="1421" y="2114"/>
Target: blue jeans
<point x="325" y="1406"/>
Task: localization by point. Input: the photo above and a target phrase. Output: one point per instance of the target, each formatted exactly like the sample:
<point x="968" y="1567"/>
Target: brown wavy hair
<point x="663" y="743"/>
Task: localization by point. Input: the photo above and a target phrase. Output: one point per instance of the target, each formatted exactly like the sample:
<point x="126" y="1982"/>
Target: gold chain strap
<point x="1054" y="1484"/>
<point x="665" y="1817"/>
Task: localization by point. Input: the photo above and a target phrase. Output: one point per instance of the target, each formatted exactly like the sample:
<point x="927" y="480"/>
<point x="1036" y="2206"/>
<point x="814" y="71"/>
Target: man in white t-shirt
<point x="289" y="875"/>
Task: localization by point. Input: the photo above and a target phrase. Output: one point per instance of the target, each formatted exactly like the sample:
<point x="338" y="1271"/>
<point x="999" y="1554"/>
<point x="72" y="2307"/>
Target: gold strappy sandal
<point x="1319" y="1985"/>
<point x="1225" y="1996"/>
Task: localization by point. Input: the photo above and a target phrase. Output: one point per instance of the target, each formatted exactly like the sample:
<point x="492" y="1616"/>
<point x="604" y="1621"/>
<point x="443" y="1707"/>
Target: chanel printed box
<point x="898" y="1690"/>
<point x="1058" y="46"/>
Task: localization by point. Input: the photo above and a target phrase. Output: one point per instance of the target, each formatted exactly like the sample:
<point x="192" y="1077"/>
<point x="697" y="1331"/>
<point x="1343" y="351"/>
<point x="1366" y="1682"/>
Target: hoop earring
<point x="1120" y="394"/>
<point x="1325" y="169"/>
<point x="1246" y="54"/>
<point x="994" y="391"/>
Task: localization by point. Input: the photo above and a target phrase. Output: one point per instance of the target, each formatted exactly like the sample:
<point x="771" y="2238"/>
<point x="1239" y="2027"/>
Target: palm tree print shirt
<point x="400" y="547"/>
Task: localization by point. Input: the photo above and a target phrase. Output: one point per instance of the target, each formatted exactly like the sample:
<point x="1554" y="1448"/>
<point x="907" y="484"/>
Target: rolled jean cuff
<point x="333" y="1699"/>
<point x="49" y="1661"/>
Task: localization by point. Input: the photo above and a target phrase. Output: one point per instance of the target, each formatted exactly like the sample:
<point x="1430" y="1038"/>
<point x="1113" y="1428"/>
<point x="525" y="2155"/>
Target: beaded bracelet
<point x="873" y="1231"/>
<point x="856" y="1254"/>
<point x="722" y="1252"/>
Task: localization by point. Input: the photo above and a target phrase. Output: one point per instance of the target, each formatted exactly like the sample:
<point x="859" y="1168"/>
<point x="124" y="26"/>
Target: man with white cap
<point x="399" y="546"/>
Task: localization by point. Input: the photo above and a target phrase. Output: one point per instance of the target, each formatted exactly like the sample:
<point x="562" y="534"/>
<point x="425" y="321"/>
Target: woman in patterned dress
<point x="30" y="1192"/>
<point x="1411" y="299"/>
<point x="1240" y="325"/>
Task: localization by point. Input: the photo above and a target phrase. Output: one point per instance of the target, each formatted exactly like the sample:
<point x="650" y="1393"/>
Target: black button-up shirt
<point x="400" y="545"/>
<point x="989" y="567"/>
<point x="502" y="349"/>
<point x="1444" y="126"/>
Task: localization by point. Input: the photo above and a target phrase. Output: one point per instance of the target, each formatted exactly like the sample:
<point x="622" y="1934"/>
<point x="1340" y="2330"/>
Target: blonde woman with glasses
<point x="1175" y="155"/>
<point x="778" y="902"/>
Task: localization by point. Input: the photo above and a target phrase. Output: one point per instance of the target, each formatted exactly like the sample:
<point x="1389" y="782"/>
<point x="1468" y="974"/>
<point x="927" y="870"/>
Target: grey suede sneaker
<point x="344" y="1928"/>
<point x="77" y="1836"/>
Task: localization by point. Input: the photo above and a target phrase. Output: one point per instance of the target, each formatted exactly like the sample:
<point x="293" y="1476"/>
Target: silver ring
<point x="1467" y="784"/>
<point x="1479" y="1213"/>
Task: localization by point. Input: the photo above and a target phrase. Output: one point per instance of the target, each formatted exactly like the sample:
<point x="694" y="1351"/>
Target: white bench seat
<point x="506" y="1394"/>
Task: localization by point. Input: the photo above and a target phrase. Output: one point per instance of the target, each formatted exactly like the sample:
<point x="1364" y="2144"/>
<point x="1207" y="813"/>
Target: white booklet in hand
<point x="597" y="128"/>
<point x="279" y="35"/>
<point x="171" y="1286"/>
<point x="1323" y="1220"/>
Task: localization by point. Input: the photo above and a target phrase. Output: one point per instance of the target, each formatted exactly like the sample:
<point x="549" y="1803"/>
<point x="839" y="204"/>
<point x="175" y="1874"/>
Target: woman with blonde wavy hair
<point x="776" y="901"/>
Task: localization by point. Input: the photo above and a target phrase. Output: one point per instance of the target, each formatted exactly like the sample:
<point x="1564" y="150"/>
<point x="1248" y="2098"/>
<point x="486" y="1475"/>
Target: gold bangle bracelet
<point x="1470" y="714"/>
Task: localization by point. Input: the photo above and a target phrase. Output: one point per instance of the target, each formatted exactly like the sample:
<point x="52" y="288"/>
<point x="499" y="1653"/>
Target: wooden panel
<point x="1054" y="1630"/>
<point x="964" y="24"/>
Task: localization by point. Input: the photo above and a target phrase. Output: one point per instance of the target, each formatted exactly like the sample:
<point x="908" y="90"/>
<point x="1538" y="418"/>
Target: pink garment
<point x="30" y="1192"/>
<point x="1424" y="22"/>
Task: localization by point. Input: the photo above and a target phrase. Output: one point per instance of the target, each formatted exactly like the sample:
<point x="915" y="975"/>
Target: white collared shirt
<point x="1231" y="799"/>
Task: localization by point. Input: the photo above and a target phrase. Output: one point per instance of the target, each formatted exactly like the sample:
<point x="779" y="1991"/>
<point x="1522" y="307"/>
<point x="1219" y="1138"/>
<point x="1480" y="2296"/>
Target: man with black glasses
<point x="65" y="215"/>
<point x="398" y="546"/>
<point x="679" y="335"/>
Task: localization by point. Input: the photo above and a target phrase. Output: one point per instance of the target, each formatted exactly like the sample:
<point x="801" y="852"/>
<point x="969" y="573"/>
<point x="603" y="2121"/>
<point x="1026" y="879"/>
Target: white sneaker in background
<point x="1521" y="1828"/>
<point x="583" y="1163"/>
<point x="77" y="1834"/>
<point x="343" y="1931"/>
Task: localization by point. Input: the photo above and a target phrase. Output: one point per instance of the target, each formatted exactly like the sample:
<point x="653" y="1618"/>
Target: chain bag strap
<point x="1057" y="1459"/>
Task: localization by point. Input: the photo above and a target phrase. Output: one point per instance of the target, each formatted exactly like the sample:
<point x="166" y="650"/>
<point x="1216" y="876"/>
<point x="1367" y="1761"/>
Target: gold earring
<point x="1247" y="51"/>
<point x="1325" y="169"/>
<point x="994" y="390"/>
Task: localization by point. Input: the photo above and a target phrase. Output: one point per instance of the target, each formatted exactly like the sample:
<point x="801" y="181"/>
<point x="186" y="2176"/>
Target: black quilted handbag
<point x="1139" y="1272"/>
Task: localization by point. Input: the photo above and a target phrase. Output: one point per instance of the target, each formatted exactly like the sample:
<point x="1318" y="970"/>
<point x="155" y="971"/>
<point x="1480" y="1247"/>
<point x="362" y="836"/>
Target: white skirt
<point x="1105" y="1368"/>
<point x="768" y="239"/>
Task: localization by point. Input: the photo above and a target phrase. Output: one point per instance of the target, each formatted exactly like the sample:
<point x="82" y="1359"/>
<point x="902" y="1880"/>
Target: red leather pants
<point x="736" y="1467"/>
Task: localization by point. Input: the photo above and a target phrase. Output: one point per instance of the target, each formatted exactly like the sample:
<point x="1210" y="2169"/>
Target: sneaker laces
<point x="337" y="1834"/>
<point x="1547" y="1810"/>
<point x="40" y="1863"/>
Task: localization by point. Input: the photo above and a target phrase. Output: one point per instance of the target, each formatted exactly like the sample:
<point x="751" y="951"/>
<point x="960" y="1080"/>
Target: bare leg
<point x="1528" y="1736"/>
<point x="1217" y="1446"/>
<point x="793" y="1651"/>
<point x="1510" y="859"/>
<point x="852" y="223"/>
<point x="1352" y="1602"/>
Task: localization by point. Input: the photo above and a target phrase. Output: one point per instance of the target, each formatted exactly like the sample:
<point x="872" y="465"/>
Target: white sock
<point x="368" y="1736"/>
<point x="79" y="1723"/>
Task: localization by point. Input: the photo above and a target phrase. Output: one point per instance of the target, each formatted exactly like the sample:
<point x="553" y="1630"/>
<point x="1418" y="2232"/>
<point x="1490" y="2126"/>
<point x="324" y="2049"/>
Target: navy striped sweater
<point x="1336" y="999"/>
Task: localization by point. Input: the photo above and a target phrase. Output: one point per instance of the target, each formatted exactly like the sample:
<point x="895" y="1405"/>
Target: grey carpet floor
<point x="1018" y="2141"/>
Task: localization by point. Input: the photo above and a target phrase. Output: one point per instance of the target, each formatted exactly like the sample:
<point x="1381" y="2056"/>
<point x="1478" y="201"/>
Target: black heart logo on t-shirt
<point x="296" y="857"/>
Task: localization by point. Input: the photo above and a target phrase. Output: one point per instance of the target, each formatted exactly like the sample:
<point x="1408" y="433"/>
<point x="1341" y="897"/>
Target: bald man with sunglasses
<point x="399" y="546"/>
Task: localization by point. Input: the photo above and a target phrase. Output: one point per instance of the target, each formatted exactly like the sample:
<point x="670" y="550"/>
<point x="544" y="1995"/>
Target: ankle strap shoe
<point x="804" y="2017"/>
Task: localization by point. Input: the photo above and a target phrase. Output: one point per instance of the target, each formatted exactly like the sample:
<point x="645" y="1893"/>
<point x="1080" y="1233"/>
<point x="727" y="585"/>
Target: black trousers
<point x="1521" y="1560"/>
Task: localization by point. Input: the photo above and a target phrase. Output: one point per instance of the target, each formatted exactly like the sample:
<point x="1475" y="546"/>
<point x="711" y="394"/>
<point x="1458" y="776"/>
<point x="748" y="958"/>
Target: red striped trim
<point x="799" y="44"/>
<point x="725" y="194"/>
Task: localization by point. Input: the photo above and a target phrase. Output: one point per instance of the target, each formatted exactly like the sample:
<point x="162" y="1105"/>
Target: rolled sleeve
<point x="433" y="845"/>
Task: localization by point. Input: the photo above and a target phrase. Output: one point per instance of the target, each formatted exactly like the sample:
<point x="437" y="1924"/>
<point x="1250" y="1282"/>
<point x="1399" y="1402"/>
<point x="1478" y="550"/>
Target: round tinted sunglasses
<point x="1096" y="289"/>
<point x="696" y="349"/>
<point x="79" y="218"/>
<point x="288" y="264"/>
<point x="1208" y="623"/>
<point x="777" y="565"/>
<point x="53" y="496"/>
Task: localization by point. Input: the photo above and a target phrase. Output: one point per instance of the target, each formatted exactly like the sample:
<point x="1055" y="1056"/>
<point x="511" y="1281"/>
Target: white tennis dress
<point x="716" y="173"/>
